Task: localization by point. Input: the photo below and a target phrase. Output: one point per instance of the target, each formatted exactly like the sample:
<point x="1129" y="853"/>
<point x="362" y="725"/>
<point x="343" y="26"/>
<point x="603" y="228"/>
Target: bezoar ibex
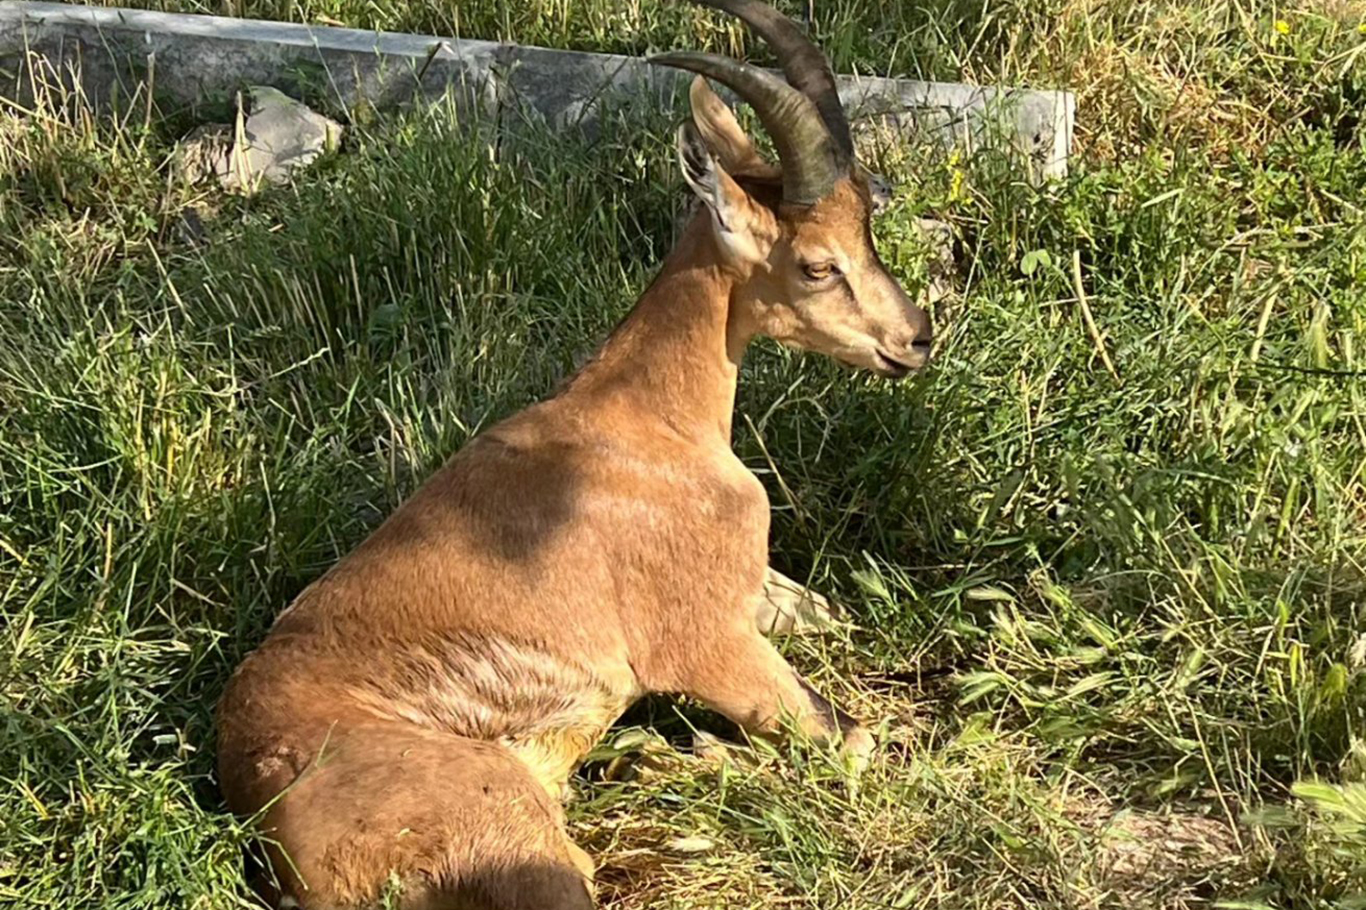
<point x="410" y="720"/>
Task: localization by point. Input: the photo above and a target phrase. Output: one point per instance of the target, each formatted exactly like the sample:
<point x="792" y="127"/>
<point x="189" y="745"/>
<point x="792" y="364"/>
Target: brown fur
<point x="414" y="715"/>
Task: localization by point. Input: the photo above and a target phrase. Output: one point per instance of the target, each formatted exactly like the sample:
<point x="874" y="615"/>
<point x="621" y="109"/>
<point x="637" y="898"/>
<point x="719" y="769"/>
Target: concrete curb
<point x="190" y="58"/>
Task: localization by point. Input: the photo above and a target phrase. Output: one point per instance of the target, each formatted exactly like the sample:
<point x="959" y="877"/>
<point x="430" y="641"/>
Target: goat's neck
<point x="676" y="357"/>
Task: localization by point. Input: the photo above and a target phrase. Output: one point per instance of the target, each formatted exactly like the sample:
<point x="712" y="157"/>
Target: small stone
<point x="203" y="153"/>
<point x="190" y="228"/>
<point x="277" y="137"/>
<point x="690" y="845"/>
<point x="787" y="607"/>
<point x="942" y="266"/>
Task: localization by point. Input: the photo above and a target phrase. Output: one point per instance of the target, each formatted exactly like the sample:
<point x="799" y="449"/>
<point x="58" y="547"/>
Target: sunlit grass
<point x="1110" y="629"/>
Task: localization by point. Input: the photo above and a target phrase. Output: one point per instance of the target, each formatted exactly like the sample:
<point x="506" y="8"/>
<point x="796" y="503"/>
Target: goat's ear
<point x="739" y="222"/>
<point x="723" y="135"/>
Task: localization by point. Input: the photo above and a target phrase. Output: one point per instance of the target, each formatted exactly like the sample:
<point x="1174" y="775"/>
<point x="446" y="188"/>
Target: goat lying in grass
<point x="414" y="715"/>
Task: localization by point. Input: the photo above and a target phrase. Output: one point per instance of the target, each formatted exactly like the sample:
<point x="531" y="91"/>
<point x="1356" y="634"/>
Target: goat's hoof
<point x="858" y="747"/>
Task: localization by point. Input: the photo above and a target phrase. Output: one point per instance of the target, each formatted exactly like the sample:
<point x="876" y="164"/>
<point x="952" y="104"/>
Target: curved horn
<point x="803" y="63"/>
<point x="811" y="160"/>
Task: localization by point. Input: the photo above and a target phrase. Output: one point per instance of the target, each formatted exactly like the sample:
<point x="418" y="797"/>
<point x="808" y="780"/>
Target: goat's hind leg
<point x="452" y="823"/>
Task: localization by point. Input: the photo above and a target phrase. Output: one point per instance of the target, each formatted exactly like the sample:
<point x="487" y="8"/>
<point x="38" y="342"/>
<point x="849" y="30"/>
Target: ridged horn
<point x="803" y="63"/>
<point x="810" y="157"/>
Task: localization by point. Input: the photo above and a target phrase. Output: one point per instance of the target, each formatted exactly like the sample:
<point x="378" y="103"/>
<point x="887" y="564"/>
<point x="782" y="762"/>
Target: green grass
<point x="1112" y="631"/>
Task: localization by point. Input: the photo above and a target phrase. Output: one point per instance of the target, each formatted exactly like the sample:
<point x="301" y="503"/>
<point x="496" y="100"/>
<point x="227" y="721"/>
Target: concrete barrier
<point x="193" y="59"/>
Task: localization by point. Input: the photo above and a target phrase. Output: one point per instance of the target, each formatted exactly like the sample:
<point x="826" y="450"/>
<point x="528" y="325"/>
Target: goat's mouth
<point x="890" y="366"/>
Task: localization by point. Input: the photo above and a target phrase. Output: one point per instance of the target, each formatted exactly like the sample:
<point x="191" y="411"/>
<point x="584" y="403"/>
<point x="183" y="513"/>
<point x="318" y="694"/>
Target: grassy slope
<point x="1074" y="596"/>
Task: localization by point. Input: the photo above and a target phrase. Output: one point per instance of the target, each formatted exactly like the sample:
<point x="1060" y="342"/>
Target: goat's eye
<point x="820" y="271"/>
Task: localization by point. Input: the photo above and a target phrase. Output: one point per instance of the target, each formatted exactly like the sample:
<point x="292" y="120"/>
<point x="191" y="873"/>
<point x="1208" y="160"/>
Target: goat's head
<point x="798" y="236"/>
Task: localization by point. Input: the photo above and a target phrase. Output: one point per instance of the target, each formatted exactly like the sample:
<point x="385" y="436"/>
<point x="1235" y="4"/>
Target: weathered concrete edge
<point x="195" y="55"/>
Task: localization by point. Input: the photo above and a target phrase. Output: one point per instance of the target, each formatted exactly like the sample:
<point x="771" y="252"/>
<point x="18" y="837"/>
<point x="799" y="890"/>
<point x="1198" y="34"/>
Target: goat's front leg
<point x="745" y="678"/>
<point x="786" y="607"/>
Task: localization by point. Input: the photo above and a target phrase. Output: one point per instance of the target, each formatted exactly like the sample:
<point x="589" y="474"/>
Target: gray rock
<point x="277" y="137"/>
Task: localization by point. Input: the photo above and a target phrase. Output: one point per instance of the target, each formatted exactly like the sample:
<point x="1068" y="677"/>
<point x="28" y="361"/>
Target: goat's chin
<point x="893" y="369"/>
<point x="864" y="358"/>
<point x="872" y="360"/>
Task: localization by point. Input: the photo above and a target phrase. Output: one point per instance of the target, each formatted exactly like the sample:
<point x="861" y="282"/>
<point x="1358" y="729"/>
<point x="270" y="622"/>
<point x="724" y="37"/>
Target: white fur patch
<point x="548" y="710"/>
